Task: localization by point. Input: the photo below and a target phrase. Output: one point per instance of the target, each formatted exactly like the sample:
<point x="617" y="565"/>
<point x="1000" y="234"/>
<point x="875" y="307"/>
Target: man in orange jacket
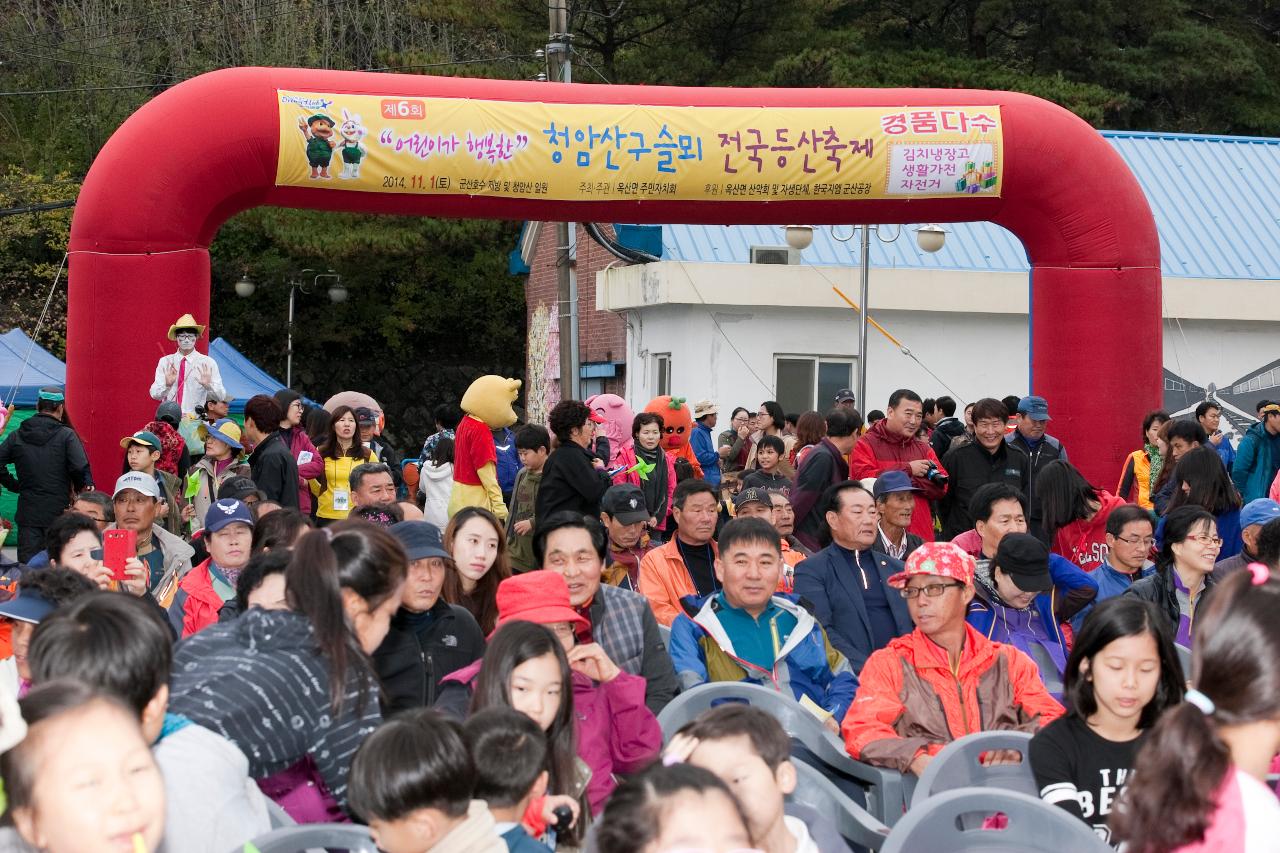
<point x="944" y="680"/>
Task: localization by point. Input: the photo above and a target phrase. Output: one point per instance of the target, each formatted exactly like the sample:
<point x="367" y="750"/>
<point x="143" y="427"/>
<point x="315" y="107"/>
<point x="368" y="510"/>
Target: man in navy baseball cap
<point x="429" y="637"/>
<point x="895" y="496"/>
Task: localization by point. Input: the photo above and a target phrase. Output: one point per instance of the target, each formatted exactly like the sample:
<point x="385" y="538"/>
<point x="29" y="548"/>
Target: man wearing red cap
<point x="944" y="680"/>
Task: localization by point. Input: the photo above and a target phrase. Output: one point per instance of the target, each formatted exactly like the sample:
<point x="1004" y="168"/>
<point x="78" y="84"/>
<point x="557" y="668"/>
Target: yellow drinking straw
<point x="139" y="846"/>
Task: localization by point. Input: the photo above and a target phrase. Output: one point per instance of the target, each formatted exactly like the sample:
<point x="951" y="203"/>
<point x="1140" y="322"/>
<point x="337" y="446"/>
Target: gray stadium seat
<point x="886" y="797"/>
<point x="1032" y="826"/>
<point x="957" y="766"/>
<point x="852" y="821"/>
<point x="316" y="836"/>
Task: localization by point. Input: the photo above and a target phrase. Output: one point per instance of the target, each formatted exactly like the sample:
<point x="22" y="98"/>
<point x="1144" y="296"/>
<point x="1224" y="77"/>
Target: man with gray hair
<point x="372" y="483"/>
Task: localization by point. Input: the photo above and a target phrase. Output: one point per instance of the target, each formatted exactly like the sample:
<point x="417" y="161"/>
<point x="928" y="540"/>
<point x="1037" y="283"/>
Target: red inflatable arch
<point x="206" y="149"/>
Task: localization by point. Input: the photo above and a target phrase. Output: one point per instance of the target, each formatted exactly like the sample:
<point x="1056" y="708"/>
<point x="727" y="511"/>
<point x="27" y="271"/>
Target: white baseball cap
<point x="139" y="482"/>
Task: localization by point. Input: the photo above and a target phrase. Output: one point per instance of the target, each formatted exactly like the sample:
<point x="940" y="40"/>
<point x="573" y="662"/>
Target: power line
<point x="22" y="93"/>
<point x="454" y="62"/>
<point x="36" y="208"/>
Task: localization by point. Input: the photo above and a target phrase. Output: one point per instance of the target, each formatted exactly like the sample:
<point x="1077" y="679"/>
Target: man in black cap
<point x="429" y="638"/>
<point x="51" y="465"/>
<point x="1018" y="602"/>
<point x="624" y="515"/>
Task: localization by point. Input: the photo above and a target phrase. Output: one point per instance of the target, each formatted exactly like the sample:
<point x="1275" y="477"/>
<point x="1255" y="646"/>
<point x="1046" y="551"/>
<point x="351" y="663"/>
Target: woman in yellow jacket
<point x="1142" y="468"/>
<point x="341" y="451"/>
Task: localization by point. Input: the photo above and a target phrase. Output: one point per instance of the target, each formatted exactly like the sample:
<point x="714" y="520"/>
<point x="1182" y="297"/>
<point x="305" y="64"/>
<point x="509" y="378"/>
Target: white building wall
<point x="724" y="324"/>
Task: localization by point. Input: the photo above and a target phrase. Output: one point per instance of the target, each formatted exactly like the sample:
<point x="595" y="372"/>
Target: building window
<point x="662" y="371"/>
<point x="810" y="382"/>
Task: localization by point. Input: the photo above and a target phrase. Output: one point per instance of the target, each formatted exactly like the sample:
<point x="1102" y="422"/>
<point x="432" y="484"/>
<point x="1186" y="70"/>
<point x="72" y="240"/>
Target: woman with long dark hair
<point x="1200" y="781"/>
<point x="1184" y="569"/>
<point x="1073" y="513"/>
<point x="1122" y="674"/>
<point x="340" y="451"/>
<point x="478" y="544"/>
<point x="1143" y="466"/>
<point x="810" y="430"/>
<point x="1202" y="480"/>
<point x="292" y="686"/>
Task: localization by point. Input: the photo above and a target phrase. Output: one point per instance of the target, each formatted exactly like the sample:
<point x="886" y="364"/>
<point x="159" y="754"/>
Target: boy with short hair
<point x="411" y="782"/>
<point x="510" y="754"/>
<point x="769" y="457"/>
<point x="533" y="444"/>
<point x="142" y="452"/>
<point x="748" y="749"/>
<point x="119" y="644"/>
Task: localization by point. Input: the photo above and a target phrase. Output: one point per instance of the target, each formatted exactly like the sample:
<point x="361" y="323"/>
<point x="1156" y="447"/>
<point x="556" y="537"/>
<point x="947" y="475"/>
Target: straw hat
<point x="186" y="321"/>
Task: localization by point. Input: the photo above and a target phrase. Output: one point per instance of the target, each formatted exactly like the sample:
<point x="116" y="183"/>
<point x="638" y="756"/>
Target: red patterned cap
<point x="942" y="559"/>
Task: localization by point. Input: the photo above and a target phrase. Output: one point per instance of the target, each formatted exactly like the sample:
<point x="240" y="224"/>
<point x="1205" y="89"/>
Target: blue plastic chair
<point x="886" y="791"/>
<point x="316" y="836"/>
<point x="1031" y="826"/>
<point x="958" y="766"/>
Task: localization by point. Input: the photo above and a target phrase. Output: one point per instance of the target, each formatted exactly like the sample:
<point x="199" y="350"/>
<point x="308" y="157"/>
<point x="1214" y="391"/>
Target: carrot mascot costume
<point x="677" y="428"/>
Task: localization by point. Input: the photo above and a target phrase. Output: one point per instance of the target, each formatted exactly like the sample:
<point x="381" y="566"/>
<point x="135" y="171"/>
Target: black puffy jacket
<point x="51" y="465"/>
<point x="420" y="650"/>
<point x="1158" y="588"/>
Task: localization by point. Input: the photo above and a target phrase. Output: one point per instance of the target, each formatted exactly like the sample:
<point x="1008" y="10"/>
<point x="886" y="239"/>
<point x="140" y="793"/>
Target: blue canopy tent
<point x="43" y="368"/>
<point x="240" y="376"/>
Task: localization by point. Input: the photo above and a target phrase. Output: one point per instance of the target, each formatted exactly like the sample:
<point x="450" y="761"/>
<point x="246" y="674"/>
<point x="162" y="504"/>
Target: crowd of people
<point x="304" y="624"/>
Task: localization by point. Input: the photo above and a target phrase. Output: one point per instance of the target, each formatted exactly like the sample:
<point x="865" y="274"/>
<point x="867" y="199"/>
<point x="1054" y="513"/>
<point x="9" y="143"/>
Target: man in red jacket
<point x="892" y="445"/>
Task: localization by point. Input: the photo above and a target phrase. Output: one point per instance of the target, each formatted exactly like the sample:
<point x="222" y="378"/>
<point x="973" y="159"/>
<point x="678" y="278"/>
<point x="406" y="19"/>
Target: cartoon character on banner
<point x="351" y="146"/>
<point x="678" y="418"/>
<point x="318" y="131"/>
<point x="617" y="424"/>
<point x="487" y="404"/>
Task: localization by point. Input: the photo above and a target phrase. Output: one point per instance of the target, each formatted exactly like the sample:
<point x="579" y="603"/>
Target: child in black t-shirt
<point x="1122" y="674"/>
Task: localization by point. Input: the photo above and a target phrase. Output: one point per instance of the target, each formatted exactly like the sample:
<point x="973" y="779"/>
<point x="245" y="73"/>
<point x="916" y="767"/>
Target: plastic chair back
<point x="316" y="836"/>
<point x="1048" y="669"/>
<point x="958" y="765"/>
<point x="665" y="632"/>
<point x="852" y="821"/>
<point x="1184" y="658"/>
<point x="886" y="797"/>
<point x="1030" y="826"/>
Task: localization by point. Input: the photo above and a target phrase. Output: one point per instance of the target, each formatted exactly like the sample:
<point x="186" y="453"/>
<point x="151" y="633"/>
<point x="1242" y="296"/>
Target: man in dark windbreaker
<point x="51" y="465"/>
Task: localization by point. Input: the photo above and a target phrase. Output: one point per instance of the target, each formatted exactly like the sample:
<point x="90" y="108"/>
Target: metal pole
<point x="288" y="362"/>
<point x="560" y="70"/>
<point x="863" y="297"/>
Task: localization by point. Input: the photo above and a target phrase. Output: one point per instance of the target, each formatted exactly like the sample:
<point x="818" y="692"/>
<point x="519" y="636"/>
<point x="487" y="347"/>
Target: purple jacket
<point x="616" y="731"/>
<point x="299" y="441"/>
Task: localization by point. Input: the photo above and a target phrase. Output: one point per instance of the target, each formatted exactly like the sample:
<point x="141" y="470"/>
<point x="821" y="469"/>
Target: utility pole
<point x="560" y="70"/>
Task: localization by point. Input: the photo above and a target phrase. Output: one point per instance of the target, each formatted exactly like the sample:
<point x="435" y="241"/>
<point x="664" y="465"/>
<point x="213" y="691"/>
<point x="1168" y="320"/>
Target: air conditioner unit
<point x="774" y="255"/>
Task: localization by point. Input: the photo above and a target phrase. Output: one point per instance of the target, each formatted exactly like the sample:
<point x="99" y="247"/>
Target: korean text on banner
<point x="601" y="152"/>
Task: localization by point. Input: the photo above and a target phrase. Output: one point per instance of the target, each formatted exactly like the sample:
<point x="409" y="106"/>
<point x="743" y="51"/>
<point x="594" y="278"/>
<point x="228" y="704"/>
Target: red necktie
<point x="182" y="379"/>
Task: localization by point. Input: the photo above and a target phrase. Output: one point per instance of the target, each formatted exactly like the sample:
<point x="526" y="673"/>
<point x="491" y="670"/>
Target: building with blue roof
<point x="732" y="315"/>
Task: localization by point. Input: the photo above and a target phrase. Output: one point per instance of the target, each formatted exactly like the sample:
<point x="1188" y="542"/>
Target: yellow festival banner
<point x="611" y="152"/>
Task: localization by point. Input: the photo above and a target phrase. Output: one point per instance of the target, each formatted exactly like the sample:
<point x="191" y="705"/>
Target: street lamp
<point x="930" y="238"/>
<point x="337" y="294"/>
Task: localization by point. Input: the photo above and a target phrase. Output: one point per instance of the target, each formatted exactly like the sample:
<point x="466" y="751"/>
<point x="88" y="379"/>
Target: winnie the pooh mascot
<point x="678" y="428"/>
<point x="487" y="404"/>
